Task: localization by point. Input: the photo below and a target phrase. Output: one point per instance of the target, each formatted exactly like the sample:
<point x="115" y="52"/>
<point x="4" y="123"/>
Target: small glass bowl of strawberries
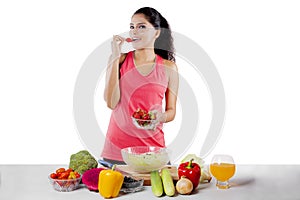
<point x="64" y="180"/>
<point x="143" y="119"/>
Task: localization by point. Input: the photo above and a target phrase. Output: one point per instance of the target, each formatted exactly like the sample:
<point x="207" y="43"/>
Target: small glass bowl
<point x="65" y="185"/>
<point x="132" y="185"/>
<point x="144" y="124"/>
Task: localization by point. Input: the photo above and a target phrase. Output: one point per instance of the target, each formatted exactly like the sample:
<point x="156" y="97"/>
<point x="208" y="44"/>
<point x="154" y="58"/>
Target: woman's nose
<point x="134" y="30"/>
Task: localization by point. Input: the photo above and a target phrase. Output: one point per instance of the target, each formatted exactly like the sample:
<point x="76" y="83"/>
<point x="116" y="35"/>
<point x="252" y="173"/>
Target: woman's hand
<point x="161" y="117"/>
<point x="116" y="45"/>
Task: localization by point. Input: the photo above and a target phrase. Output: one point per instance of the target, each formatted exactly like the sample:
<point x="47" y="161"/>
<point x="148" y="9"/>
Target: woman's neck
<point x="147" y="55"/>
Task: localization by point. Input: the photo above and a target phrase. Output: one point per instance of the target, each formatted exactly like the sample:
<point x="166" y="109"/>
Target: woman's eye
<point x="131" y="27"/>
<point x="142" y="26"/>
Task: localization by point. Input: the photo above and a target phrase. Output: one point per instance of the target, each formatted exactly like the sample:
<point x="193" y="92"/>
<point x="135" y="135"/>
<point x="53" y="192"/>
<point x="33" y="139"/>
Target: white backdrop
<point x="255" y="46"/>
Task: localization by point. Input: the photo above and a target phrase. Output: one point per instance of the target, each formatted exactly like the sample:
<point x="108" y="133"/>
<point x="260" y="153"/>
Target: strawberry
<point x="136" y="115"/>
<point x="146" y="116"/>
<point x="128" y="40"/>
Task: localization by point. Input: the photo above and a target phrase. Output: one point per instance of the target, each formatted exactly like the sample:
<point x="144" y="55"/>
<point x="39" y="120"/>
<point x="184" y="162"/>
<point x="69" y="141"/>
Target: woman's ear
<point x="157" y="33"/>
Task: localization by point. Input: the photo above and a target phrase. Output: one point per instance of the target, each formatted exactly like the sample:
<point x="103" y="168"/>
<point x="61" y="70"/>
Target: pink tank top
<point x="137" y="91"/>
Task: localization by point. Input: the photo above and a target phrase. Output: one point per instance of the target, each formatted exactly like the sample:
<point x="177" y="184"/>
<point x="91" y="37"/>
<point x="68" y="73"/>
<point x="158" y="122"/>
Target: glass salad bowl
<point x="144" y="159"/>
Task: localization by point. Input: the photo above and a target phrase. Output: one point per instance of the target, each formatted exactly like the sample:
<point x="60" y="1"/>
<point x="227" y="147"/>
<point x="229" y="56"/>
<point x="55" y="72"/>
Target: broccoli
<point x="82" y="161"/>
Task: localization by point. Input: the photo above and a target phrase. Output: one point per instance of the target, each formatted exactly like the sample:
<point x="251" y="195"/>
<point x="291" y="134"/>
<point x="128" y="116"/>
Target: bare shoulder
<point x="122" y="58"/>
<point x="170" y="65"/>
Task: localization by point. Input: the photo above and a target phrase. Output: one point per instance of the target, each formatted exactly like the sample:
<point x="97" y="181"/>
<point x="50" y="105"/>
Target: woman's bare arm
<point x="112" y="89"/>
<point x="172" y="91"/>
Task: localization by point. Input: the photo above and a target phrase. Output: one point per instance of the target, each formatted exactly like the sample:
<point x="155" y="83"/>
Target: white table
<point x="30" y="182"/>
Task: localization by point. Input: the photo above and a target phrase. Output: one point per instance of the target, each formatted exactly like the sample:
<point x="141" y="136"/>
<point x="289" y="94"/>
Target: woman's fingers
<point x="118" y="39"/>
<point x="116" y="44"/>
<point x="159" y="116"/>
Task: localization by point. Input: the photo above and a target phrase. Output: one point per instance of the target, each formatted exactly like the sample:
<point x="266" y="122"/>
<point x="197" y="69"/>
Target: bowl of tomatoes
<point x="143" y="119"/>
<point x="65" y="180"/>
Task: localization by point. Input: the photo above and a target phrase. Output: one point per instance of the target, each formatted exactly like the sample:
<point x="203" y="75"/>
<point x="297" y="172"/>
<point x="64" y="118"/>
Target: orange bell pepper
<point x="110" y="182"/>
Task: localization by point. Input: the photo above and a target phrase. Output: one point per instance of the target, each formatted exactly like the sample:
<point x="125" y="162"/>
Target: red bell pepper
<point x="190" y="170"/>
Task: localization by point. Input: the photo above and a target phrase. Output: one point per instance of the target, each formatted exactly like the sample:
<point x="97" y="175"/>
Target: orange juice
<point x="222" y="171"/>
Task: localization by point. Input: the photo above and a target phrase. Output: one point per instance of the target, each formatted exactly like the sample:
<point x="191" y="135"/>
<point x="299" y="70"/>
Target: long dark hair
<point x="163" y="45"/>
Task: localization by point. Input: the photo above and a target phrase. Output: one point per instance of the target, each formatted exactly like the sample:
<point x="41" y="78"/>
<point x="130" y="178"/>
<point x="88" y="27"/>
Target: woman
<point x="140" y="79"/>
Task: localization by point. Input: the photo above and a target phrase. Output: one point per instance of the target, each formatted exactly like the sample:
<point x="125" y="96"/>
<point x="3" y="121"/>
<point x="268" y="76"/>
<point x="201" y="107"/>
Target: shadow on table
<point x="237" y="182"/>
<point x="204" y="185"/>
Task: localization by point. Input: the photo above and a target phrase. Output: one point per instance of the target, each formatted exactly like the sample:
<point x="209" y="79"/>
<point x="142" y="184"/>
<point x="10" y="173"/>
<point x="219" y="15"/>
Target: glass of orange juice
<point x="222" y="167"/>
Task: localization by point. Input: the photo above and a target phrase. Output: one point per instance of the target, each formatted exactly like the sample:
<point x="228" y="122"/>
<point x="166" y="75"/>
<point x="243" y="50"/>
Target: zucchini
<point x="167" y="181"/>
<point x="156" y="183"/>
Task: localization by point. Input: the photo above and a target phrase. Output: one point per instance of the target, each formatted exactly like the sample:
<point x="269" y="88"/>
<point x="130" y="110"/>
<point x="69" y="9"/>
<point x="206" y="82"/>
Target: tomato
<point x="64" y="175"/>
<point x="77" y="174"/>
<point x="60" y="170"/>
<point x="53" y="175"/>
<point x="69" y="170"/>
<point x="58" y="174"/>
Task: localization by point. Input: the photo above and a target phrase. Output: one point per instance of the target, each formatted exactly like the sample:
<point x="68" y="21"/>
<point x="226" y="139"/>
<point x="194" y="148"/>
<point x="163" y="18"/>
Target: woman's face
<point x="142" y="32"/>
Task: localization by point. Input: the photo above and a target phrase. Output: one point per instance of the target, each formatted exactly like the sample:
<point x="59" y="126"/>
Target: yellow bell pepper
<point x="110" y="182"/>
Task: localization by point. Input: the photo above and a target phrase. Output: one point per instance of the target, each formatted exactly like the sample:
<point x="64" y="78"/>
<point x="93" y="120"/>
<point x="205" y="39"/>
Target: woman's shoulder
<point x="169" y="64"/>
<point x="122" y="58"/>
